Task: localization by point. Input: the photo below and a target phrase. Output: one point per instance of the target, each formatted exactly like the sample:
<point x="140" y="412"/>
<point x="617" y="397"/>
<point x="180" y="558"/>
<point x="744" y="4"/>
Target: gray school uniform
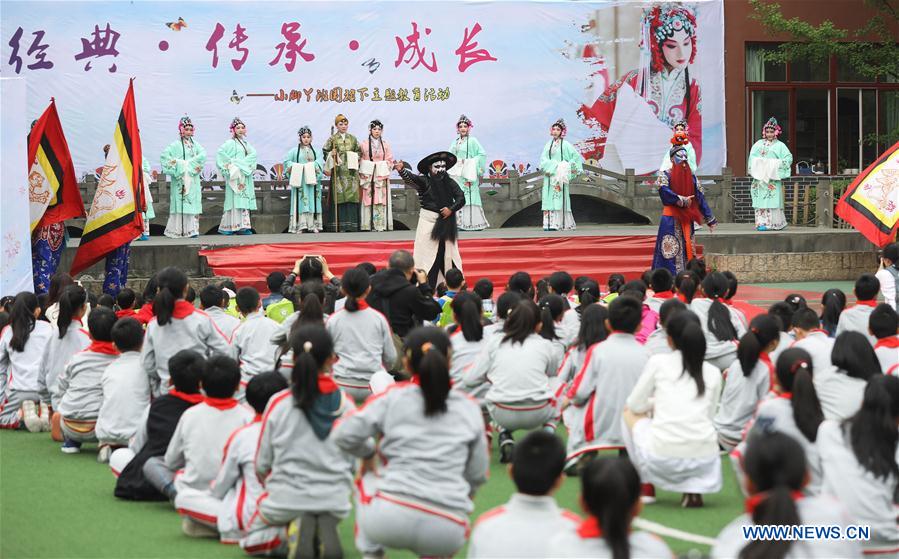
<point x="840" y="395"/>
<point x="657" y="342"/>
<point x="855" y="319"/>
<point x="813" y="511"/>
<point x="568" y="328"/>
<point x="570" y="543"/>
<point x="20" y="371"/>
<point x="80" y="385"/>
<point x="363" y="343"/>
<point x="195" y="331"/>
<point x="225" y="322"/>
<point x="888" y="355"/>
<point x="126" y="398"/>
<point x="740" y="398"/>
<point x="610" y="371"/>
<point x="785" y="341"/>
<point x="465" y="355"/>
<point x="819" y="346"/>
<point x="719" y="353"/>
<point x="198" y="443"/>
<point x="252" y="345"/>
<point x="523" y="527"/>
<point x="868" y="500"/>
<point x="57" y="356"/>
<point x="517" y="373"/>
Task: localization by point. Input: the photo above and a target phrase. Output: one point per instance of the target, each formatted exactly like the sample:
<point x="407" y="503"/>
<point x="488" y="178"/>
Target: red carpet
<point x="496" y="259"/>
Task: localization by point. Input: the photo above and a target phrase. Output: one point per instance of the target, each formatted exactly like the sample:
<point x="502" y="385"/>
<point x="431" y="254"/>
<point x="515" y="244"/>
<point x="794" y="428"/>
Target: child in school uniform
<point x="23" y="343"/>
<point x="524" y="526"/>
<point x="552" y="311"/>
<point x="888" y="275"/>
<point x="561" y="284"/>
<point x="467" y="337"/>
<point x="833" y="302"/>
<point x="518" y="365"/>
<point x="676" y="448"/>
<point x="721" y="326"/>
<point x="126" y="390"/>
<point x="884" y="325"/>
<point x="455" y="283"/>
<point x="778" y="474"/>
<point x="610" y="496"/>
<point x="813" y="339"/>
<point x="125" y="302"/>
<point x="657" y="342"/>
<point x="410" y="503"/>
<point x="252" y="338"/>
<point x="483" y="288"/>
<point x="80" y="385"/>
<point x="306" y="475"/>
<point x="362" y="337"/>
<point x="226" y="508"/>
<point x="859" y="462"/>
<point x="212" y="301"/>
<point x="610" y="371"/>
<point x="783" y="313"/>
<point x="842" y="386"/>
<point x="176" y="326"/>
<point x="152" y="439"/>
<point x="748" y="380"/>
<point x="504" y="303"/>
<point x="195" y="451"/>
<point x="855" y="318"/>
<point x="732" y="284"/>
<point x="662" y="283"/>
<point x="650" y="318"/>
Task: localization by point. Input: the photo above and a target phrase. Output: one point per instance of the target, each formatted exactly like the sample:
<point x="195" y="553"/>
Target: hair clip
<point x="307" y="346"/>
<point x="797" y="365"/>
<point x="426" y="347"/>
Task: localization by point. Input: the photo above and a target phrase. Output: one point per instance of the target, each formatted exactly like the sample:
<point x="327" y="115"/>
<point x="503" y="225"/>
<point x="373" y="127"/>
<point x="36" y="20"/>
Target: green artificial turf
<point x="58" y="505"/>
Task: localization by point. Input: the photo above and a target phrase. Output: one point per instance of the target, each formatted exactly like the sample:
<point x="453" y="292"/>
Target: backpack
<point x="280" y="310"/>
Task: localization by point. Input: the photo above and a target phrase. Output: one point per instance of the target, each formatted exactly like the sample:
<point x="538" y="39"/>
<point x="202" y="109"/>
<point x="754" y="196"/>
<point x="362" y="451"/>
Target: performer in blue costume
<point x="684" y="206"/>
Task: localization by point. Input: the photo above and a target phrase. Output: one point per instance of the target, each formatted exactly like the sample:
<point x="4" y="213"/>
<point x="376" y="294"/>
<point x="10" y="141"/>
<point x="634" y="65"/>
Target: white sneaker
<point x="103" y="455"/>
<point x="45" y="417"/>
<point x="70" y="449"/>
<point x="194" y="529"/>
<point x="29" y="415"/>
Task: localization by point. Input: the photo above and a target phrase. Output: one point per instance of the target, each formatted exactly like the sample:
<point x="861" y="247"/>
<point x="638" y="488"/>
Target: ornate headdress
<point x="464" y="120"/>
<point x="682" y="123"/>
<point x="234" y="124"/>
<point x="185" y="121"/>
<point x="375" y="124"/>
<point x="680" y="139"/>
<point x="661" y="23"/>
<point x="341" y="118"/>
<point x="772" y="125"/>
<point x="304" y="130"/>
<point x="561" y="125"/>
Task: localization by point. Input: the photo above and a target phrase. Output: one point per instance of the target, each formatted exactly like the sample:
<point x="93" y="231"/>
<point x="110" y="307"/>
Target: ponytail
<point x="312" y="347"/>
<point x="587" y="294"/>
<point x="686" y="333"/>
<point x="833" y="301"/>
<point x="615" y="283"/>
<point x="610" y="488"/>
<point x="686" y="284"/>
<point x="521" y="321"/>
<point x="551" y="308"/>
<point x="467" y="310"/>
<point x="719" y="322"/>
<point x="427" y="351"/>
<point x="172" y="283"/>
<point x="795" y="376"/>
<point x="593" y="326"/>
<point x="21" y="319"/>
<point x="762" y="331"/>
<point x="872" y="430"/>
<point x="355" y="283"/>
<point x="852" y="352"/>
<point x="71" y="302"/>
<point x="311" y="311"/>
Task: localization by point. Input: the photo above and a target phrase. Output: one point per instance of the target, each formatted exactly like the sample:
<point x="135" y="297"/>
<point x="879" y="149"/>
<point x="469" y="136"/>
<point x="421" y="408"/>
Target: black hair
<point x="58" y="282"/>
<point x="312" y="347"/>
<point x="521" y="282"/>
<point x="221" y="376"/>
<point x="368" y="268"/>
<point x="883" y="322"/>
<point x="687" y="336"/>
<point x="428" y="352"/>
<point x="552" y="307"/>
<point x="506" y="302"/>
<point x="151" y="289"/>
<point x="776" y="464"/>
<point x="312" y="296"/>
<point x="274" y="281"/>
<point x="867" y="286"/>
<point x="521" y="321"/>
<point x="467" y="310"/>
<point x="6" y="302"/>
<point x="441" y="289"/>
<point x="262" y="387"/>
<point x="635" y="285"/>
<point x="172" y="284"/>
<point x="311" y="269"/>
<point x="247" y="300"/>
<point x="719" y="321"/>
<point x="646" y="277"/>
<point x="697" y="266"/>
<point x="587" y="293"/>
<point x="796" y="301"/>
<point x="615" y="283"/>
<point x="593" y="326"/>
<point x="763" y="330"/>
<point x="125" y="299"/>
<point x="783" y="312"/>
<point x="805" y="319"/>
<point x="71" y="301"/>
<point x="732" y="284"/>
<point x="355" y="283"/>
<point x="100" y="322"/>
<point x="186" y="371"/>
<point x="795" y="375"/>
<point x="4" y="319"/>
<point x="454" y="279"/>
<point x="542" y="289"/>
<point x="106" y="300"/>
<point x="127" y="334"/>
<point x="686" y="284"/>
<point x="212" y="296"/>
<point x="610" y="489"/>
<point x="661" y="280"/>
<point x="833" y="301"/>
<point x="537" y="463"/>
<point x="626" y="314"/>
<point x="872" y="430"/>
<point x="669" y="308"/>
<point x="190" y="295"/>
<point x="891" y="253"/>
<point x="229" y="284"/>
<point x="561" y="282"/>
<point x="22" y="320"/>
<point x="852" y="352"/>
<point x="483" y="288"/>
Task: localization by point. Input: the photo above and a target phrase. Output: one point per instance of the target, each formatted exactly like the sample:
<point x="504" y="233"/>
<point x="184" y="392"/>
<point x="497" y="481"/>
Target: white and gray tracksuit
<point x="855" y="319"/>
<point x="126" y="398"/>
<point x="888" y="355"/>
<point x="657" y="342"/>
<point x="523" y="527"/>
<point x="573" y="542"/>
<point x="465" y="356"/>
<point x="739" y="400"/>
<point x="20" y="371"/>
<point x="81" y="393"/>
<point x="59" y="351"/>
<point x="253" y="348"/>
<point x="421" y="498"/>
<point x="363" y="343"/>
<point x="226" y="323"/>
<point x="717" y="352"/>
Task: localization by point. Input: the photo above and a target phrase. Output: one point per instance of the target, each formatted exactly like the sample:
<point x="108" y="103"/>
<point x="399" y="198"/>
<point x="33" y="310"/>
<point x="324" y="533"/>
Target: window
<point x="760" y="70"/>
<point x="812" y="132"/>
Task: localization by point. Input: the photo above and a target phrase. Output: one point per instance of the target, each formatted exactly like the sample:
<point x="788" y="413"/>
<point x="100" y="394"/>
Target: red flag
<point x="871" y="202"/>
<point x="115" y="216"/>
<point x="53" y="193"/>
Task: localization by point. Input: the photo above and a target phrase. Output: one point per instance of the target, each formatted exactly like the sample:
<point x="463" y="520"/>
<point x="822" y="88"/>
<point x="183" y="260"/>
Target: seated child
<point x="855" y="318"/>
<point x="125" y="301"/>
<point x="883" y="324"/>
<point x="251" y="339"/>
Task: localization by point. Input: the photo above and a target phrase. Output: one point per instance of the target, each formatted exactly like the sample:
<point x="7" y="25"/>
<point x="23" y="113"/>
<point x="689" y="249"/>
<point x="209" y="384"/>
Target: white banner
<point x="15" y="245"/>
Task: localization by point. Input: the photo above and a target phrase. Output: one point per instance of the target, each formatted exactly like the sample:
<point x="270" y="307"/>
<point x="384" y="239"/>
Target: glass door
<point x="856" y="119"/>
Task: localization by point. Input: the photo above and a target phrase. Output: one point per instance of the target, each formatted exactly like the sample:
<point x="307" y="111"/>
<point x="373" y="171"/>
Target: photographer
<point x="402" y="294"/>
<point x="312" y="268"/>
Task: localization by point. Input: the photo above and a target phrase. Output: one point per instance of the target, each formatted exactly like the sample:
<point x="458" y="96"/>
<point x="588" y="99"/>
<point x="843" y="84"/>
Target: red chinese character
<point x="236" y="42"/>
<point x="414" y="50"/>
<point x="467" y="53"/>
<point x="212" y="43"/>
<point x="103" y="43"/>
<point x="293" y="46"/>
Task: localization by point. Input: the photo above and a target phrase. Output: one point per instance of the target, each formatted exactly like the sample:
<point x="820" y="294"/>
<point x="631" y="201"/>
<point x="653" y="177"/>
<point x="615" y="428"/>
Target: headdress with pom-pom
<point x="234" y="124"/>
<point x="184" y="122"/>
<point x="680" y="139"/>
<point x="771" y="124"/>
<point x="561" y="125"/>
<point x="375" y="124"/>
<point x="464" y="120"/>
<point x="305" y="129"/>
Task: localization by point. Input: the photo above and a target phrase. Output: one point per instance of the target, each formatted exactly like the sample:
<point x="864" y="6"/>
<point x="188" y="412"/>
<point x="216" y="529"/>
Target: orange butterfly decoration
<point x="177" y="25"/>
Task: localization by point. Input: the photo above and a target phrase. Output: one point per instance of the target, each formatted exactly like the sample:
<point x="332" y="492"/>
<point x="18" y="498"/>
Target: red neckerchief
<point x="682" y="297"/>
<point x="145" y="313"/>
<point x="363" y="304"/>
<point x="326" y="384"/>
<point x="872" y="303"/>
<point x="892" y="342"/>
<point x="728" y="302"/>
<point x="664" y="294"/>
<point x="182" y="309"/>
<point x="103" y="347"/>
<point x="194" y="398"/>
<point x="589" y="528"/>
<point x="786" y="395"/>
<point x="764" y="358"/>
<point x="125" y="313"/>
<point x="257" y="418"/>
<point x="220" y="403"/>
<point x="757" y="499"/>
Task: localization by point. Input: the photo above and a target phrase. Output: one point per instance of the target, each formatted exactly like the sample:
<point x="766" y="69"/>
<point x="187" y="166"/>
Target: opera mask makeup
<point x="438" y="168"/>
<point x="680" y="156"/>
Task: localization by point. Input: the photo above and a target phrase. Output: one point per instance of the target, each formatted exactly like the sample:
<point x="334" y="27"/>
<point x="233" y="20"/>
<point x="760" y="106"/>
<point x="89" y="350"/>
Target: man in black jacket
<point x="402" y="294"/>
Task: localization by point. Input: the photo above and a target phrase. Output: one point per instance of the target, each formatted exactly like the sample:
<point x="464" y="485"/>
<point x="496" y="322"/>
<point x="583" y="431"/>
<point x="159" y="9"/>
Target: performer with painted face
<point x="342" y="153"/>
<point x="769" y="162"/>
<point x="236" y="161"/>
<point x="684" y="205"/>
<point x="682" y="128"/>
<point x="467" y="172"/>
<point x="183" y="161"/>
<point x="560" y="162"/>
<point x="441" y="198"/>
<point x="374" y="179"/>
<point x="303" y="166"/>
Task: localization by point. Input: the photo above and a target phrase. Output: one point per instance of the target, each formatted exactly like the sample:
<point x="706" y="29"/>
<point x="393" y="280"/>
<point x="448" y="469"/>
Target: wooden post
<point x="824" y="205"/>
<point x="795" y="213"/>
<point x="805" y="205"/>
<point x="727" y="202"/>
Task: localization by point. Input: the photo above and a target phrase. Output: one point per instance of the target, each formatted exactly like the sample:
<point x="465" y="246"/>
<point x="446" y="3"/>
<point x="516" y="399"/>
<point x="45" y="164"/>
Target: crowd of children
<point x="266" y="420"/>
